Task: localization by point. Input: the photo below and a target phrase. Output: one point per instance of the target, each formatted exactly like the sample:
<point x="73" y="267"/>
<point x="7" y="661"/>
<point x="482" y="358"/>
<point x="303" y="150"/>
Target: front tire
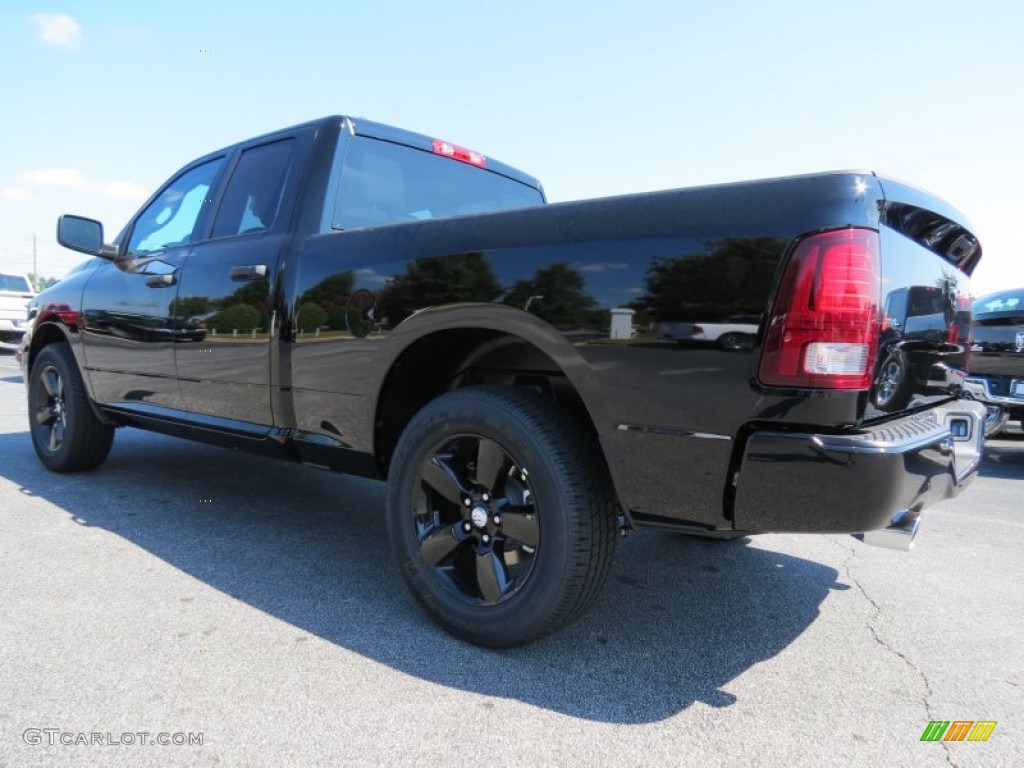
<point x="501" y="514"/>
<point x="66" y="433"/>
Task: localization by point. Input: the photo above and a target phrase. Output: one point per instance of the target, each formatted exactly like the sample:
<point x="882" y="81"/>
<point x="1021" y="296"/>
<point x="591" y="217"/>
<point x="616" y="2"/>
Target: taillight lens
<point x="823" y="331"/>
<point x="459" y="153"/>
<point x="66" y="314"/>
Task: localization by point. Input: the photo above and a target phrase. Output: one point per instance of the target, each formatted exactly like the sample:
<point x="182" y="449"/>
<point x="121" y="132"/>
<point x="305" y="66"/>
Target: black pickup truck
<point x="997" y="361"/>
<point x="365" y="299"/>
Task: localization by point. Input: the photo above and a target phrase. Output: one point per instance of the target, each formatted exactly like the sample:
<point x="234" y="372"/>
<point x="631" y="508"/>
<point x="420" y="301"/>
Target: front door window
<point x="171" y="219"/>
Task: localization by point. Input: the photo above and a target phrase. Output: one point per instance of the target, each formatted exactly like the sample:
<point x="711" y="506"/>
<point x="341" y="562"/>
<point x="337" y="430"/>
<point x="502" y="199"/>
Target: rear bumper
<point x="877" y="480"/>
<point x="980" y="389"/>
<point x="11" y="331"/>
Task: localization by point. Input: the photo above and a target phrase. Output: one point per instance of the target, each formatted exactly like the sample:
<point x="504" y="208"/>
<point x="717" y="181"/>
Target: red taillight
<point x="459" y="153"/>
<point x="823" y="331"/>
<point x="64" y="312"/>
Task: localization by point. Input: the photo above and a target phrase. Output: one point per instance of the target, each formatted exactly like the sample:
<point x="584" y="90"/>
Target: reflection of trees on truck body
<point x="732" y="278"/>
<point x="458" y="277"/>
<point x="559" y="297"/>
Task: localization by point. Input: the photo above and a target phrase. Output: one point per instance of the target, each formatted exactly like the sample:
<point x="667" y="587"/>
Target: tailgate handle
<point x="249" y="272"/>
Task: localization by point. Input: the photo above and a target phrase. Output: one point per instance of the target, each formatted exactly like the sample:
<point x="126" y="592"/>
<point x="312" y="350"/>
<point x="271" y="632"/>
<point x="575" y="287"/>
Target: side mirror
<point x="84" y="235"/>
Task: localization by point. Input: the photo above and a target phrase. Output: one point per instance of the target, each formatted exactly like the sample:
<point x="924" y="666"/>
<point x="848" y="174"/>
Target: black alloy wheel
<point x="66" y="433"/>
<point x="476" y="519"/>
<point x="500" y="513"/>
<point x="49" y="413"/>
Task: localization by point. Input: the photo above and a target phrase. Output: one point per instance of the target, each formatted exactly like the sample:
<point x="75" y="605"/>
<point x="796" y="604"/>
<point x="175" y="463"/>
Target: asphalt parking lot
<point x="183" y="589"/>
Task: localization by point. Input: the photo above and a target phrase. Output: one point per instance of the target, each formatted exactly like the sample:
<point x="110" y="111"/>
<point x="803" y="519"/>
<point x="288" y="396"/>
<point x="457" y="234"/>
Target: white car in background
<point x="735" y="333"/>
<point x="16" y="292"/>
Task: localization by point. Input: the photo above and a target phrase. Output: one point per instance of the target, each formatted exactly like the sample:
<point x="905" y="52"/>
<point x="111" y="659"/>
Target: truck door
<point x="127" y="305"/>
<point x="224" y="301"/>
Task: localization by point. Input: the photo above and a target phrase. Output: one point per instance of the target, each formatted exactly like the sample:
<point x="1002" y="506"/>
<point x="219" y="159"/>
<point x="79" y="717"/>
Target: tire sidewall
<point x="57" y="357"/>
<point x="40" y="439"/>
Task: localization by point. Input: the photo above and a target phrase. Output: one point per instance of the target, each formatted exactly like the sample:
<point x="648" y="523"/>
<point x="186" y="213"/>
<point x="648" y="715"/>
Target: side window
<point x="171" y="219"/>
<point x="253" y="195"/>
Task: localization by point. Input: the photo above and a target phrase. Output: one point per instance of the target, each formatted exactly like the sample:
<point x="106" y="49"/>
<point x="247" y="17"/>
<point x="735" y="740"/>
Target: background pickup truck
<point x="997" y="358"/>
<point x="15" y="293"/>
<point x="365" y="299"/>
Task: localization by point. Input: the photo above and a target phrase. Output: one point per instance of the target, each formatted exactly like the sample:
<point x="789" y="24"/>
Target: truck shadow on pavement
<point x="677" y="621"/>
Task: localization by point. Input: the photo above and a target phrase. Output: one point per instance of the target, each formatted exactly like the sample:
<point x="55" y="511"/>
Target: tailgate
<point x="927" y="255"/>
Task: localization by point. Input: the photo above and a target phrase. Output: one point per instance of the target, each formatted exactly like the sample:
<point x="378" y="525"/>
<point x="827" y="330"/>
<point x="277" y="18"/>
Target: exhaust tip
<point x="899" y="535"/>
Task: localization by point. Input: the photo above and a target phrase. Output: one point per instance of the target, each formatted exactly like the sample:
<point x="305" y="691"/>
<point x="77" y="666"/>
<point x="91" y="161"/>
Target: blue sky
<point x="104" y="99"/>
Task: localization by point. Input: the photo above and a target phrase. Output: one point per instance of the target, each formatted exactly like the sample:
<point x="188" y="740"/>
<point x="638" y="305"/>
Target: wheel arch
<point x="42" y="336"/>
<point x="56" y="332"/>
<point x="446" y="348"/>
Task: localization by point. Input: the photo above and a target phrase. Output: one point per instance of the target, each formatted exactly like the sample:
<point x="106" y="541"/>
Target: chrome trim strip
<point x="669" y="431"/>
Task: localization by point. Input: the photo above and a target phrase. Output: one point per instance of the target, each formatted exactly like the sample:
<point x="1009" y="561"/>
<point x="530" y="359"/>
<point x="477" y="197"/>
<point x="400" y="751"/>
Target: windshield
<point x="15" y="284"/>
<point x="1005" y="301"/>
<point x="386" y="183"/>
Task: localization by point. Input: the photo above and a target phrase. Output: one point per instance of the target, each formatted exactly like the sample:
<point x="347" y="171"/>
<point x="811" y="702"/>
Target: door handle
<point x="161" y="281"/>
<point x="249" y="272"/>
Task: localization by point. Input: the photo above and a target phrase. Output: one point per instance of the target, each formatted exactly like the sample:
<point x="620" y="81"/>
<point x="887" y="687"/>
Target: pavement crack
<point x="928" y="692"/>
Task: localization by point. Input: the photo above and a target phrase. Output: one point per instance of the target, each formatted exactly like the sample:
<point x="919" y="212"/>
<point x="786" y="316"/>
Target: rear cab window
<point x="386" y="183"/>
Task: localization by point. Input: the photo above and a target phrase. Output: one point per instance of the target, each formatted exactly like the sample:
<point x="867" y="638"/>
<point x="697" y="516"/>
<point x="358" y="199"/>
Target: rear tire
<point x="892" y="385"/>
<point x="500" y="514"/>
<point x="66" y="433"/>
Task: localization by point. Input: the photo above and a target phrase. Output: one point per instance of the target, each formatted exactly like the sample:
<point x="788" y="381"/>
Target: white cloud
<point x="604" y="266"/>
<point x="54" y="177"/>
<point x="16" y="195"/>
<point x="124" y="189"/>
<point x="57" y="30"/>
<point x="72" y="178"/>
<point x="371" y="275"/>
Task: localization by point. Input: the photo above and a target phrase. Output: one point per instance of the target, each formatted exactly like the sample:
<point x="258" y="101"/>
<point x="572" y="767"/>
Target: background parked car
<point x="997" y="357"/>
<point x="16" y="292"/>
<point x="736" y="332"/>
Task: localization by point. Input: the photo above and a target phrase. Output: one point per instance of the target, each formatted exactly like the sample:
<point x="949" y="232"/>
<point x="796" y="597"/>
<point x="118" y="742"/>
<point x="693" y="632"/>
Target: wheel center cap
<point x="479" y="516"/>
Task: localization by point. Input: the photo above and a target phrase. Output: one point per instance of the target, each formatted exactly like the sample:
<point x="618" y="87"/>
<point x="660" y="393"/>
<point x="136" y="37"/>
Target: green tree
<point x="311" y="316"/>
<point x="563" y="300"/>
<point x="243" y="318"/>
<point x="439" y="280"/>
<point x="42" y="283"/>
<point x="332" y="294"/>
<point x="190" y="306"/>
<point x="255" y="293"/>
<point x="734" y="276"/>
